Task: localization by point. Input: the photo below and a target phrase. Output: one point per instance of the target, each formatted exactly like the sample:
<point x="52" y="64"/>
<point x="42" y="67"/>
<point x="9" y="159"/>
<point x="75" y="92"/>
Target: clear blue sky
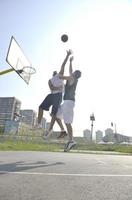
<point x="100" y="35"/>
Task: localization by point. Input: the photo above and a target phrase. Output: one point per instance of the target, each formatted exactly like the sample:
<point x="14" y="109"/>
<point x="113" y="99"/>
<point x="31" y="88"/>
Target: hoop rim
<point x="32" y="70"/>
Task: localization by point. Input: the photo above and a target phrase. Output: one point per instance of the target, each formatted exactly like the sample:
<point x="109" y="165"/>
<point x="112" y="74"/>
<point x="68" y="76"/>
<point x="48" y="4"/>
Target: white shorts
<point x="66" y="111"/>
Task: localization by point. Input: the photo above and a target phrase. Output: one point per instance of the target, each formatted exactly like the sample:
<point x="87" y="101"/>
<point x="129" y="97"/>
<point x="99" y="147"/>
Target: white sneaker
<point x="69" y="146"/>
<point x="38" y="126"/>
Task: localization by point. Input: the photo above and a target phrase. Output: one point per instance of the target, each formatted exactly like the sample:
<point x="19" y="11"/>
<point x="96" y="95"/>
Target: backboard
<point x="17" y="60"/>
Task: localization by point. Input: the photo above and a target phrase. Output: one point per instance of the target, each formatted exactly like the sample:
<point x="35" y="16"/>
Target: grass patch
<point x="22" y="146"/>
<point x="124" y="149"/>
<point x="105" y="147"/>
<point x="41" y="145"/>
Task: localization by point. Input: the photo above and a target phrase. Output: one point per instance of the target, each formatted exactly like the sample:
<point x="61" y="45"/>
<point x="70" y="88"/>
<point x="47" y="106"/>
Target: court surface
<point x="64" y="176"/>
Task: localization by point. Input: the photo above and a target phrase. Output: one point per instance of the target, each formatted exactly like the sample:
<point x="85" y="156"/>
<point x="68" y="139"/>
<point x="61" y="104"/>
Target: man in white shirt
<point x="54" y="99"/>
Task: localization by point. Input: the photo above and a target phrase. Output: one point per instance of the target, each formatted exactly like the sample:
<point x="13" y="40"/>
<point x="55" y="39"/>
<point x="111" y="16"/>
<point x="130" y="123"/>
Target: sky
<point x="100" y="35"/>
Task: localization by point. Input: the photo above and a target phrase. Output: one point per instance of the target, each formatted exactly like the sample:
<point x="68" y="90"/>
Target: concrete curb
<point x="98" y="152"/>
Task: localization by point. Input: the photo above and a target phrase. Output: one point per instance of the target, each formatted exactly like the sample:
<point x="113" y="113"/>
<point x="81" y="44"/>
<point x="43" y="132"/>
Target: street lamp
<point x="115" y="131"/>
<point x="92" y="118"/>
<point x="114" y="125"/>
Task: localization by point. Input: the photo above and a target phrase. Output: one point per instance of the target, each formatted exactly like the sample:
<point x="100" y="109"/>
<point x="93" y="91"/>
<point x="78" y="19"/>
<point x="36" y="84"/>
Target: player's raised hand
<point x="69" y="52"/>
<point x="71" y="58"/>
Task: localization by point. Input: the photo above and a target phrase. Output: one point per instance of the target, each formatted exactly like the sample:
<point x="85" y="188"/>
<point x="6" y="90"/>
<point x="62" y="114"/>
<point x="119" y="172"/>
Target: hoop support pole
<point x="6" y="71"/>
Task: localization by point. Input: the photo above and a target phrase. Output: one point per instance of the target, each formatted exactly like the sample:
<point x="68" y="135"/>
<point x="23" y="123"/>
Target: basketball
<point x="64" y="38"/>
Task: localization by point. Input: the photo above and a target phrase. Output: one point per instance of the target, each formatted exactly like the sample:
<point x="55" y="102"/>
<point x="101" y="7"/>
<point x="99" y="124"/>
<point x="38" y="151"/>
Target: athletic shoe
<point x="69" y="146"/>
<point x="46" y="134"/>
<point x="37" y="127"/>
<point x="62" y="135"/>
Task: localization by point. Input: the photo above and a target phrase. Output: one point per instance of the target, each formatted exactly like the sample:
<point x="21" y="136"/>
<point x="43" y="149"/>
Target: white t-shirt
<point x="57" y="82"/>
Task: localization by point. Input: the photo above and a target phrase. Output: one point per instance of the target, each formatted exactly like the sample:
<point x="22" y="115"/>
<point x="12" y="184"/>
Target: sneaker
<point x="69" y="146"/>
<point x="38" y="126"/>
<point x="46" y="134"/>
<point x="62" y="135"/>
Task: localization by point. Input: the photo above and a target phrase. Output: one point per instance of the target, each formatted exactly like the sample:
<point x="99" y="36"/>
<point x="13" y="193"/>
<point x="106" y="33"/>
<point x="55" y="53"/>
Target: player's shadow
<point x="21" y="166"/>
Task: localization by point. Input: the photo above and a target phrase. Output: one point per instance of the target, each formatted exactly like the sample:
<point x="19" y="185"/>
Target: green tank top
<point x="70" y="90"/>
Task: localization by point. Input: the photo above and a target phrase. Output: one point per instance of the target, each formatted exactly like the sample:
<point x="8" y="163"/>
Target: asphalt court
<point x="46" y="175"/>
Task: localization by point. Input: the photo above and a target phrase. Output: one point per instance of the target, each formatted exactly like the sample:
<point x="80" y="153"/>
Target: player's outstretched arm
<point x="69" y="52"/>
<point x="70" y="66"/>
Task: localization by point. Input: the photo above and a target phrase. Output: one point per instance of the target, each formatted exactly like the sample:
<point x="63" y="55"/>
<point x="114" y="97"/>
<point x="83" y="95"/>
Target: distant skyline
<point x="100" y="35"/>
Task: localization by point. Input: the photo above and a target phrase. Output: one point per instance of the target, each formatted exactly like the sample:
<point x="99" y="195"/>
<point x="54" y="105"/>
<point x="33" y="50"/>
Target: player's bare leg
<point x="70" y="131"/>
<point x="40" y="115"/>
<point x="63" y="132"/>
<point x="53" y="119"/>
<point x="71" y="143"/>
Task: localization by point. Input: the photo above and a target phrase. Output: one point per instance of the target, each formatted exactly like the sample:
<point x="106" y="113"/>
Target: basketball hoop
<point x="27" y="70"/>
<point x="17" y="59"/>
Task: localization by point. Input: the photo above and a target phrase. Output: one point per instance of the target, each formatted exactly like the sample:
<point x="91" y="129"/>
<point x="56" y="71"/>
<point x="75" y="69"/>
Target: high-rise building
<point x="43" y="123"/>
<point x="108" y="131"/>
<point x="99" y="136"/>
<point x="28" y="116"/>
<point x="87" y="135"/>
<point x="47" y="125"/>
<point x="9" y="109"/>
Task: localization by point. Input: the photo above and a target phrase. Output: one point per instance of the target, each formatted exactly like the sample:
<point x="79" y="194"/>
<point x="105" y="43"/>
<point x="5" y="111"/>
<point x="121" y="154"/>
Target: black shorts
<point x="53" y="100"/>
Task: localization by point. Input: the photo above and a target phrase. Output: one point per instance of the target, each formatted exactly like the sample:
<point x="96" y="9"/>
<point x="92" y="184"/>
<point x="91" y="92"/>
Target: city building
<point x="87" y="135"/>
<point x="47" y="125"/>
<point x="99" y="136"/>
<point x="43" y="123"/>
<point x="11" y="127"/>
<point x="112" y="137"/>
<point x="9" y="110"/>
<point x="28" y="117"/>
<point x="108" y="131"/>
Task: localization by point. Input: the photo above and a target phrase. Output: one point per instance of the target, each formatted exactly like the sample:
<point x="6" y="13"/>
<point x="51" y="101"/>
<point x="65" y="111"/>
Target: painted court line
<point x="62" y="174"/>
